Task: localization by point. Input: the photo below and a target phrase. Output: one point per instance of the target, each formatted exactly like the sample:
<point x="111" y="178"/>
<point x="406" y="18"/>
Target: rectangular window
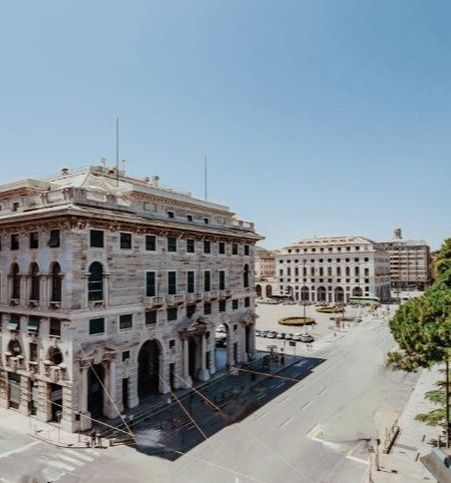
<point x="151" y="288"/>
<point x="55" y="327"/>
<point x="151" y="243"/>
<point x="207" y="280"/>
<point x="221" y="248"/>
<point x="221" y="279"/>
<point x="222" y="305"/>
<point x="190" y="247"/>
<point x="247" y="302"/>
<point x="190" y="310"/>
<point x="207" y="308"/>
<point x="206" y="221"/>
<point x="14" y="322"/>
<point x="172" y="244"/>
<point x="189" y="217"/>
<point x="126" y="321"/>
<point x="34" y="240"/>
<point x="171" y="214"/>
<point x="246" y="249"/>
<point x="96" y="326"/>
<point x="96" y="238"/>
<point x="33" y="351"/>
<point x="151" y="317"/>
<point x="15" y="206"/>
<point x="235" y="304"/>
<point x="126" y="241"/>
<point x="172" y="314"/>
<point x="207" y="246"/>
<point x="14" y="241"/>
<point x="125" y="356"/>
<point x="190" y="282"/>
<point x="55" y="239"/>
<point x="172" y="283"/>
<point x="234" y="248"/>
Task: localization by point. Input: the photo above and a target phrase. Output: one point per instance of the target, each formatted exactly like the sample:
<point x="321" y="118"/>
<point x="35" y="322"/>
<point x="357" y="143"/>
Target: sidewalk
<point x="403" y="464"/>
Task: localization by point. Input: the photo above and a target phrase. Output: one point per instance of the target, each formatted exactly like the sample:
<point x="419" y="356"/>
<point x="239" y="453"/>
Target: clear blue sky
<point x="318" y="117"/>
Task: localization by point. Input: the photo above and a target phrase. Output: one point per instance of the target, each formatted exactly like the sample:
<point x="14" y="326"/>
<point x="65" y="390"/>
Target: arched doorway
<point x="357" y="292"/>
<point x="339" y="295"/>
<point x="268" y="291"/>
<point x="321" y="294"/>
<point x="304" y="294"/>
<point x="96" y="378"/>
<point x="258" y="290"/>
<point x="290" y="292"/>
<point x="149" y="369"/>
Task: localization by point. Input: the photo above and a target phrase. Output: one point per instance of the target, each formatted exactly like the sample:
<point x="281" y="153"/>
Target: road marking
<point x="79" y="455"/>
<point x="261" y="416"/>
<point x="306" y="405"/>
<point x="326" y="388"/>
<point x="284" y="400"/>
<point x="18" y="450"/>
<point x="61" y="466"/>
<point x="92" y="451"/>
<point x="280" y="385"/>
<point x="285" y="423"/>
<point x="70" y="459"/>
<point x="358" y="460"/>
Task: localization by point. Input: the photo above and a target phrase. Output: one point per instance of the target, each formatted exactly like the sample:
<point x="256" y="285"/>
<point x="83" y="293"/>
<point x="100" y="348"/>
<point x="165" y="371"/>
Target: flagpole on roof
<point x="117" y="150"/>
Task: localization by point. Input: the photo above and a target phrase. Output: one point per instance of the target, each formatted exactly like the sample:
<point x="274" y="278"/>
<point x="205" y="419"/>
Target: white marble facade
<point x="112" y="290"/>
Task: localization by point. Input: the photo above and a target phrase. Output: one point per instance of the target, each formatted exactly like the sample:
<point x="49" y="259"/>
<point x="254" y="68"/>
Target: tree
<point x="422" y="329"/>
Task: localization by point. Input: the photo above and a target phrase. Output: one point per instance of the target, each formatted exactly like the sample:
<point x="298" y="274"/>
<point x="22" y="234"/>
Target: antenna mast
<point x="117" y="151"/>
<point x="205" y="177"/>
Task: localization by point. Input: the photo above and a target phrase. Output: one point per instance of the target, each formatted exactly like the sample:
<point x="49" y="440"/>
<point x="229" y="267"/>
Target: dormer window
<point x="171" y="214"/>
<point x="206" y="221"/>
<point x="189" y="217"/>
<point x="16" y="206"/>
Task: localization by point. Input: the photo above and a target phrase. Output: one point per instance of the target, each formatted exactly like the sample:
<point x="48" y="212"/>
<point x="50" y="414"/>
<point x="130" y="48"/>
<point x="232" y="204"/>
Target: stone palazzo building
<point x="410" y="263"/>
<point x="333" y="269"/>
<point x="112" y="288"/>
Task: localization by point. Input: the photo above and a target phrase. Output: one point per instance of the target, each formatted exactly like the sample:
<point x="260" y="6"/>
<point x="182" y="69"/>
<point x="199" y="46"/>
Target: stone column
<point x="85" y="422"/>
<point x="44" y="292"/>
<point x="25" y="396"/>
<point x="3" y="389"/>
<point x="211" y="355"/>
<point x="163" y="375"/>
<point x="23" y="289"/>
<point x="44" y="408"/>
<point x="68" y="417"/>
<point x="252" y="349"/>
<point x="204" y="374"/>
<point x="187" y="381"/>
<point x="109" y="398"/>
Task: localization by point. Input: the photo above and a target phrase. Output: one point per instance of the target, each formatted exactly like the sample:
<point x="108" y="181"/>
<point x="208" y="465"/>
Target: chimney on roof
<point x="64" y="171"/>
<point x="397" y="234"/>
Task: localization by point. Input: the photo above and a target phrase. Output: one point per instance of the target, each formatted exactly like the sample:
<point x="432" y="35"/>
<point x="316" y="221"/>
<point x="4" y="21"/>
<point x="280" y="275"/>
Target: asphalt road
<point x="314" y="431"/>
<point x="317" y="430"/>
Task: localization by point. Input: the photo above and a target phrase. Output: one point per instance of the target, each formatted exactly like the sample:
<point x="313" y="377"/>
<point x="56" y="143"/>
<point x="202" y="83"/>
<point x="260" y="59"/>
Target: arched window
<point x="15" y="281"/>
<point x="95" y="282"/>
<point x="246" y="276"/>
<point x="56" y="289"/>
<point x="14" y="348"/>
<point x="34" y="288"/>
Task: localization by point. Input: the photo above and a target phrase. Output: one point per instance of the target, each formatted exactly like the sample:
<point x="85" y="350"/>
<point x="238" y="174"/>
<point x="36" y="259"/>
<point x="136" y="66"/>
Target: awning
<point x="33" y="325"/>
<point x="13" y="325"/>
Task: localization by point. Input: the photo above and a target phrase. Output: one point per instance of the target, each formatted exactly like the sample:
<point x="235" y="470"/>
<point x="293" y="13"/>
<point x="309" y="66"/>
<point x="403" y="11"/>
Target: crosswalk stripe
<point x="70" y="459"/>
<point x="92" y="451"/>
<point x="79" y="455"/>
<point x="60" y="465"/>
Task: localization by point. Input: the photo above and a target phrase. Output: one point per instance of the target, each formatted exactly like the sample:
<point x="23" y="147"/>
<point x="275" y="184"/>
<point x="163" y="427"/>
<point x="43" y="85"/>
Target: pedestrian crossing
<point x="68" y="461"/>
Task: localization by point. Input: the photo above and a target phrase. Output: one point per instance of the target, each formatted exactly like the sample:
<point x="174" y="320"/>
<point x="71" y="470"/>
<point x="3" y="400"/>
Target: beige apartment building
<point x="112" y="288"/>
<point x="333" y="269"/>
<point x="265" y="272"/>
<point x="410" y="263"/>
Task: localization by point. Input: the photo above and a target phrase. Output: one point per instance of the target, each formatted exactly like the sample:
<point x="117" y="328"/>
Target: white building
<point x="112" y="288"/>
<point x="265" y="272"/>
<point x="333" y="269"/>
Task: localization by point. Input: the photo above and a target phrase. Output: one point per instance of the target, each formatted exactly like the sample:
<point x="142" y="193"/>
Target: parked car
<point x="264" y="333"/>
<point x="297" y="337"/>
<point x="289" y="336"/>
<point x="272" y="334"/>
<point x="281" y="335"/>
<point x="257" y="333"/>
<point x="307" y="338"/>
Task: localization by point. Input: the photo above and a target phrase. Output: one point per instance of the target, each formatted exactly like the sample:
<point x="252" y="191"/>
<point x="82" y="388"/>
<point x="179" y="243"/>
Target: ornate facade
<point x="112" y="288"/>
<point x="334" y="269"/>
